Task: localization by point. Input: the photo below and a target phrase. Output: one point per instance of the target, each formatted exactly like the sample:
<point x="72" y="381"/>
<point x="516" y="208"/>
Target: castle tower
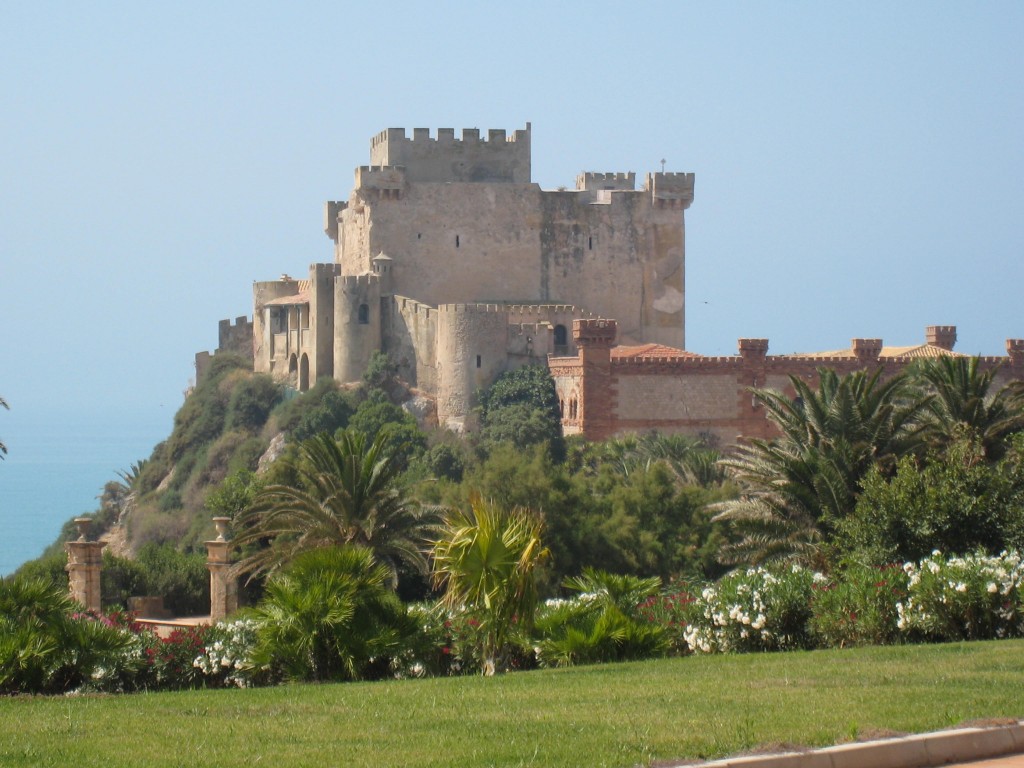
<point x="321" y="319"/>
<point x="471" y="352"/>
<point x="357" y="324"/>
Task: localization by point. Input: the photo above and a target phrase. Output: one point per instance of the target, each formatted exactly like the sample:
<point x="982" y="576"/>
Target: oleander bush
<point x="974" y="597"/>
<point x="753" y="609"/>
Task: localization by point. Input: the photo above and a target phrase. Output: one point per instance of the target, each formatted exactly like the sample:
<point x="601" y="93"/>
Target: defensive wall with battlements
<point x="607" y="389"/>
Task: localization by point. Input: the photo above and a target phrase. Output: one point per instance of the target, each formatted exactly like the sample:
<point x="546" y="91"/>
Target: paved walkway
<point x="1013" y="761"/>
<point x="996" y="746"/>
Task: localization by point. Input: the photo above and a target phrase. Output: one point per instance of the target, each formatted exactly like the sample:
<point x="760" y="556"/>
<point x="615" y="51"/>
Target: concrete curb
<point x="925" y="750"/>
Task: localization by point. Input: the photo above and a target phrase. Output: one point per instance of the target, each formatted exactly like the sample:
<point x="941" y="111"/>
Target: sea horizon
<point x="57" y="465"/>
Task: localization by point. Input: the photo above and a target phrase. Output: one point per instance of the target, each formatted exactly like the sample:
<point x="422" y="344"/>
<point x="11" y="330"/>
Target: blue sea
<point x="56" y="467"/>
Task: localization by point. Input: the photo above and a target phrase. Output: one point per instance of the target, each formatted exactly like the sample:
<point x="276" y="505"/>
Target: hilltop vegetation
<point x="628" y="505"/>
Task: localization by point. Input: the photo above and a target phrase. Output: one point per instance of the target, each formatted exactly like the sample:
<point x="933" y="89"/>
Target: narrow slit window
<point x="478" y="361"/>
<point x="456" y="241"/>
<point x="590" y="243"/>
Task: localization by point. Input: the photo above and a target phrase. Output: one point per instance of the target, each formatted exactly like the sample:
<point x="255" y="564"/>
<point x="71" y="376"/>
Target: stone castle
<point x="450" y="260"/>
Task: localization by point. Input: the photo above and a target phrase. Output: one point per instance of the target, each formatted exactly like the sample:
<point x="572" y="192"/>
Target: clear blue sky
<point x="859" y="166"/>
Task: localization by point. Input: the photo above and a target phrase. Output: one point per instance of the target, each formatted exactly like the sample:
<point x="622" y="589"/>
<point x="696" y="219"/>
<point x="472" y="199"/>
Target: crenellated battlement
<point x="673" y="190"/>
<point x="333" y="209"/>
<point x="644" y="364"/>
<point x="596" y="331"/>
<point x="357" y="283"/>
<point x="943" y="336"/>
<point x="395" y="136"/>
<point x="498" y="157"/>
<point x="590" y="181"/>
<point x="479" y="309"/>
<point x="324" y="271"/>
<point x="383" y="181"/>
<point x="409" y="306"/>
<point x="866" y="350"/>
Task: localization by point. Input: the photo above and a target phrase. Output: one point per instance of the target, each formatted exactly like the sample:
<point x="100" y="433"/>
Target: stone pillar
<point x="223" y="587"/>
<point x="752" y="374"/>
<point x="85" y="561"/>
<point x="594" y="339"/>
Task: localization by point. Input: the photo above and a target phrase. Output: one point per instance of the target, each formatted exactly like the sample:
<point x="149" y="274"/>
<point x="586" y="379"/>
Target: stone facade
<point x="448" y="258"/>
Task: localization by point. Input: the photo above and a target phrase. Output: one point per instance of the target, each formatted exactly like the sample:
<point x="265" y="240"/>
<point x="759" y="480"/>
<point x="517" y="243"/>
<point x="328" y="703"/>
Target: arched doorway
<point x="304" y="374"/>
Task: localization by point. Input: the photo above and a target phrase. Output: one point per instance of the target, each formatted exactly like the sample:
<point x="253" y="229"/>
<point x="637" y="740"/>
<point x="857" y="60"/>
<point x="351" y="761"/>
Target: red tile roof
<point x="646" y="351"/>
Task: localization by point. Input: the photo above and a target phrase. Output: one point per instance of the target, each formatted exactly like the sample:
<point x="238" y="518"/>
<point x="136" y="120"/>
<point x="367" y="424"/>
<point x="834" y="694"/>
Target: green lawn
<point x="615" y="715"/>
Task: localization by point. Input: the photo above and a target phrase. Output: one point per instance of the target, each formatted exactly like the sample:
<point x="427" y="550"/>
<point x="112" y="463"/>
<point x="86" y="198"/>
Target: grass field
<point x="614" y="715"/>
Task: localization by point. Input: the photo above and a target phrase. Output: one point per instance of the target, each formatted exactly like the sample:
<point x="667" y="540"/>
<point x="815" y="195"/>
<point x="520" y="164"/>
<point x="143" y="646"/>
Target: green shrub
<point x="181" y="579"/>
<point x="246" y="457"/>
<point x="858" y="606"/>
<point x="293" y="407"/>
<point x="521" y="407"/>
<point x="49" y="568"/>
<point x="251" y="402"/>
<point x="46" y="645"/>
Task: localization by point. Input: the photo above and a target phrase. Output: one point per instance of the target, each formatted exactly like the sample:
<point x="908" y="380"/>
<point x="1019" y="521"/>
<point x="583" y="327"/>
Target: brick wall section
<point x="709" y="395"/>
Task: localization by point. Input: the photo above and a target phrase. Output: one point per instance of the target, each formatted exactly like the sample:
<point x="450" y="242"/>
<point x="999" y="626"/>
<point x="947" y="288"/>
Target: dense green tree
<point x="797" y="486"/>
<point x="691" y="460"/>
<point x="521" y="407"/>
<point x="486" y="560"/>
<point x="345" y="493"/>
<point x="377" y="414"/>
<point x="331" y="413"/>
<point x="329" y="615"/>
<point x="954" y="501"/>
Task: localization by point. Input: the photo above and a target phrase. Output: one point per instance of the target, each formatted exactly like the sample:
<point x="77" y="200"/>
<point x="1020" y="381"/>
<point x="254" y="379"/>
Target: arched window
<point x="364" y="314"/>
<point x="561" y="340"/>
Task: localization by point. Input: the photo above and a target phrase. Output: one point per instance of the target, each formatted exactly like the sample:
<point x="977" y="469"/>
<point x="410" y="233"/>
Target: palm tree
<point x="963" y="402"/>
<point x="605" y="625"/>
<point x="346" y="494"/>
<point x="330" y="615"/>
<point x="486" y="560"/>
<point x="797" y="485"/>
